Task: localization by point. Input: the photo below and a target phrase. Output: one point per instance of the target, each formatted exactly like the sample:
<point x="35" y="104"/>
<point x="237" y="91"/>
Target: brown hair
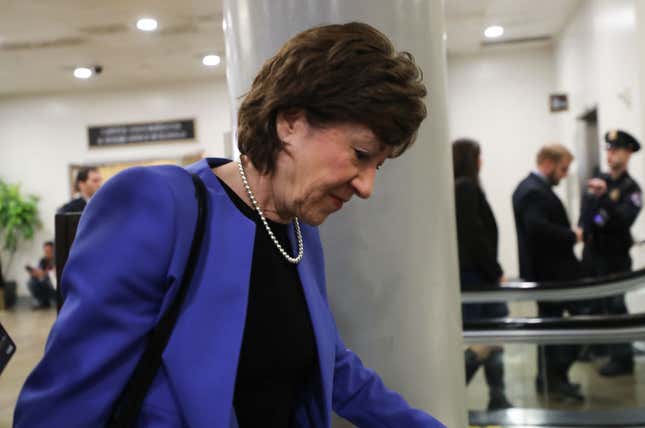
<point x="335" y="74"/>
<point x="555" y="153"/>
<point x="465" y="153"/>
<point x="82" y="175"/>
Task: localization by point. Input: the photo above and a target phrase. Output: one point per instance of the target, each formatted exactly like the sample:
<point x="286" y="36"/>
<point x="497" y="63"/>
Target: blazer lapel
<point x="310" y="269"/>
<point x="202" y="355"/>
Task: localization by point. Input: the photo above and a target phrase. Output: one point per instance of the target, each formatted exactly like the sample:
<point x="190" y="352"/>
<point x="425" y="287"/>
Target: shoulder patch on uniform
<point x="636" y="199"/>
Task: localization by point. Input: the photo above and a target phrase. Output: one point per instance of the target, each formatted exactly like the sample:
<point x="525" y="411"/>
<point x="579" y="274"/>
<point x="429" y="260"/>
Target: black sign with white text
<point x="154" y="132"/>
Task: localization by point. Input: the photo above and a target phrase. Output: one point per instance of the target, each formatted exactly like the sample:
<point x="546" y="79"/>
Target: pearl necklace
<point x="301" y="250"/>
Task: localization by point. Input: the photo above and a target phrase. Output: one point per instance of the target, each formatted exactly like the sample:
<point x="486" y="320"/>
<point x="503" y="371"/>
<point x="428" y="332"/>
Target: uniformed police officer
<point x="610" y="206"/>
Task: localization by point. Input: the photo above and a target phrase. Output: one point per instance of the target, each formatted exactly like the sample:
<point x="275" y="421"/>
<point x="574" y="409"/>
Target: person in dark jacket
<point x="609" y="208"/>
<point x="545" y="242"/>
<point x="88" y="181"/>
<point x="40" y="278"/>
<point x="477" y="240"/>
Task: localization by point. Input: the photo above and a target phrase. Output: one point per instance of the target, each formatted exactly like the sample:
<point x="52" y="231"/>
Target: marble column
<point x="391" y="260"/>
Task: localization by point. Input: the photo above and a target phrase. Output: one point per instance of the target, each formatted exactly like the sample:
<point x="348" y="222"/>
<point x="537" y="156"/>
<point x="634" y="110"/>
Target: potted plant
<point x="18" y="222"/>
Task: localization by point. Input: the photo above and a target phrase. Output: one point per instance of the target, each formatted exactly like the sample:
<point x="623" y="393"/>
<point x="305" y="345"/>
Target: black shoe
<point x="561" y="391"/>
<point x="616" y="368"/>
<point x="499" y="402"/>
<point x="539" y="385"/>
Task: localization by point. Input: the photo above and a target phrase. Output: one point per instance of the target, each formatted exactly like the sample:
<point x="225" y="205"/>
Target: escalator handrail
<point x="569" y="330"/>
<point x="580" y="289"/>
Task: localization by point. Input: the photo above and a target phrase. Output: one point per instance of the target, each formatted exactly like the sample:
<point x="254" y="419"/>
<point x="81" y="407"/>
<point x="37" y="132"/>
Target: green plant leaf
<point x="19" y="217"/>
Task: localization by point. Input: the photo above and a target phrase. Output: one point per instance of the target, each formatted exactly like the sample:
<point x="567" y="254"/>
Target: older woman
<point x="255" y="343"/>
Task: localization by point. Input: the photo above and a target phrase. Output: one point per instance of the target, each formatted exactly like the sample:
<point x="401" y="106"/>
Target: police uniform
<point x="606" y="221"/>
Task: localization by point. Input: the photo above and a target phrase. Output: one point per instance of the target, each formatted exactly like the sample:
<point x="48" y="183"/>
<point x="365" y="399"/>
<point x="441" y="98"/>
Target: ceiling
<point x="524" y="21"/>
<point x="42" y="41"/>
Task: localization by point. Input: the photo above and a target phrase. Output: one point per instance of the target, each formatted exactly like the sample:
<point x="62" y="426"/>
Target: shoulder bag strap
<point x="126" y="411"/>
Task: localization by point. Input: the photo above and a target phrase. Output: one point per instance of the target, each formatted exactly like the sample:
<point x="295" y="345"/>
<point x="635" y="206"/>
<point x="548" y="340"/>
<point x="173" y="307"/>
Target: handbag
<point x="126" y="411"/>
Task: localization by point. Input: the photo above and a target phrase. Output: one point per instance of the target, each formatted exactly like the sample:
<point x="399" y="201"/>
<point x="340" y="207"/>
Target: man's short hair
<point x="84" y="173"/>
<point x="555" y="153"/>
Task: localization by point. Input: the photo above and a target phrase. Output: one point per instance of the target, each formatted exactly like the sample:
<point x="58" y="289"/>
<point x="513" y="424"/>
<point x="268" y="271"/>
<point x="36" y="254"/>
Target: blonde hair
<point x="554" y="152"/>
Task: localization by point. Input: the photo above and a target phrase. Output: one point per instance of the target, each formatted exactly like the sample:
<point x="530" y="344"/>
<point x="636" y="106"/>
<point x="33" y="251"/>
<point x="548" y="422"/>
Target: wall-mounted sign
<point x="558" y="102"/>
<point x="152" y="132"/>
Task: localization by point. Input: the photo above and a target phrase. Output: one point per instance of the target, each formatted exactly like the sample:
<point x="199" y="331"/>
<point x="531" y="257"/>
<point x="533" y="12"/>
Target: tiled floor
<point x="29" y="330"/>
<point x="520" y="363"/>
<point x="601" y="393"/>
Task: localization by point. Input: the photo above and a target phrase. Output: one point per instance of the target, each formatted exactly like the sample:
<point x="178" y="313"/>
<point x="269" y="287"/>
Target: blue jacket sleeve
<point x="114" y="283"/>
<point x="360" y="396"/>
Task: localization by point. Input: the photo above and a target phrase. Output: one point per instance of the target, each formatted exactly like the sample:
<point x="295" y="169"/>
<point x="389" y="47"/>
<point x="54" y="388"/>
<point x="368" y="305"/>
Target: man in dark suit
<point x="545" y="243"/>
<point x="88" y="181"/>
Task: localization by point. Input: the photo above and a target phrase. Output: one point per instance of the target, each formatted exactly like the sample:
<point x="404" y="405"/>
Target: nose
<point x="363" y="183"/>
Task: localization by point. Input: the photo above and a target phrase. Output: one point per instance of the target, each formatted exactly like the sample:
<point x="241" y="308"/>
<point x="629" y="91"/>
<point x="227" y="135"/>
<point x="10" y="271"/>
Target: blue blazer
<point x="123" y="270"/>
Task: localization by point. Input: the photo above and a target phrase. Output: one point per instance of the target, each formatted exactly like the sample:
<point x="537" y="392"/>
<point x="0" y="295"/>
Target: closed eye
<point x="361" y="155"/>
<point x="365" y="156"/>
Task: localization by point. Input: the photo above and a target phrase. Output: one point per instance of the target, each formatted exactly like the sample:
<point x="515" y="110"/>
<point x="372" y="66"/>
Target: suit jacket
<point x="76" y="205"/>
<point x="476" y="232"/>
<point x="123" y="269"/>
<point x="544" y="236"/>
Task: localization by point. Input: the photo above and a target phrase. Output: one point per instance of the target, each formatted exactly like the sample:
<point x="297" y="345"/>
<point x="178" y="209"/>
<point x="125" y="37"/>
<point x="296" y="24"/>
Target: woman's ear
<point x="290" y="122"/>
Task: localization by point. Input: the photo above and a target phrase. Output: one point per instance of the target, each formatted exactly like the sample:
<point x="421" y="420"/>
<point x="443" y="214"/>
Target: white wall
<point x="597" y="63"/>
<point x="500" y="99"/>
<point x="40" y="136"/>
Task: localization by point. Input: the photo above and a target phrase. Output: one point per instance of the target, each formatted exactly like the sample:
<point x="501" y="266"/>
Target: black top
<point x="278" y="355"/>
<point x="606" y="220"/>
<point x="46" y="264"/>
<point x="476" y="231"/>
<point x="545" y="239"/>
<point x="74" y="206"/>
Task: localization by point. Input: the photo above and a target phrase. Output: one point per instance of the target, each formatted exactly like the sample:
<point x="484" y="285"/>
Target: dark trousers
<point x="493" y="370"/>
<point x="598" y="264"/>
<point x="42" y="290"/>
<point x="494" y="363"/>
<point x="554" y="361"/>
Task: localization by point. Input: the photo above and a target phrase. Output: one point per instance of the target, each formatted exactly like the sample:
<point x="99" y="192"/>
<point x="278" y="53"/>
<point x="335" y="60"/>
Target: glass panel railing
<point x="583" y="288"/>
<point x="570" y="390"/>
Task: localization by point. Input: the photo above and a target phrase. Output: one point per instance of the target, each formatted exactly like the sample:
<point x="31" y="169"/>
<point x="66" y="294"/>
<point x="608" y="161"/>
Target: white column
<point x="392" y="260"/>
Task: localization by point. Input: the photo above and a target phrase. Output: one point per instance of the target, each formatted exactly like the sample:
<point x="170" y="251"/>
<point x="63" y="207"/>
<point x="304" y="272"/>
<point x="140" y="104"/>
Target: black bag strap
<point x="128" y="407"/>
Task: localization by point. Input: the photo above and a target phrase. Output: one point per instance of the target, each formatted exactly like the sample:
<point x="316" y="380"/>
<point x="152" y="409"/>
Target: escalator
<point x="610" y="402"/>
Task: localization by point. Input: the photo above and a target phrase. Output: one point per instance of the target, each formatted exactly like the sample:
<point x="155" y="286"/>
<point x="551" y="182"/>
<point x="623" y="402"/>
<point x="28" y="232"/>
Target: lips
<point x="337" y="201"/>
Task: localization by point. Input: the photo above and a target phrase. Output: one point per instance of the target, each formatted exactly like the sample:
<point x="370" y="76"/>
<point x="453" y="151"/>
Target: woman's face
<point x="322" y="168"/>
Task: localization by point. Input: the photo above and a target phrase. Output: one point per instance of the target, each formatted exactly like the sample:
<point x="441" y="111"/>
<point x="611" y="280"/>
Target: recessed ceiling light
<point x="211" y="60"/>
<point x="493" y="31"/>
<point x="83" y="73"/>
<point x="147" y="24"/>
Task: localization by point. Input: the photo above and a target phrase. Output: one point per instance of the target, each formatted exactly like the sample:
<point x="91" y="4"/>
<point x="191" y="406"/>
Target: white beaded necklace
<point x="301" y="250"/>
